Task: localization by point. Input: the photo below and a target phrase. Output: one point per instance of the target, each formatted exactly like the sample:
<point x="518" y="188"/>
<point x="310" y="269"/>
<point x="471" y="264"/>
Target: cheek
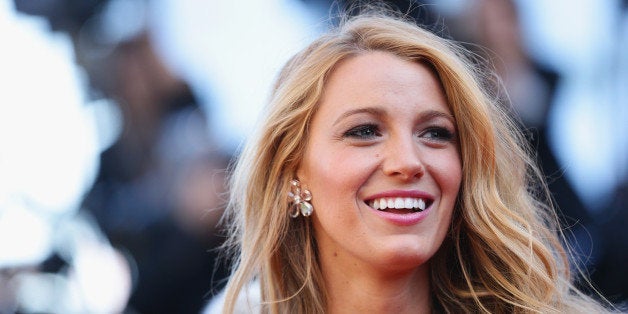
<point x="334" y="176"/>
<point x="447" y="170"/>
<point x="340" y="171"/>
<point x="336" y="162"/>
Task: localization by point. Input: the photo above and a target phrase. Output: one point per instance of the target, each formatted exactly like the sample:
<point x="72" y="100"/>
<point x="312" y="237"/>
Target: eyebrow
<point x="370" y="110"/>
<point x="424" y="115"/>
<point x="431" y="114"/>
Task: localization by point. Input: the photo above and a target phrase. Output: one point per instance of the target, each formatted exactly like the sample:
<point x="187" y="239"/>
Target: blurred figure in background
<point x="158" y="192"/>
<point x="53" y="257"/>
<point x="494" y="29"/>
<point x="531" y="87"/>
<point x="609" y="272"/>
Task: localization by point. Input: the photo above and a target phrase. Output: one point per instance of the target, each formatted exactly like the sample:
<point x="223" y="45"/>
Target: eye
<point x="365" y="131"/>
<point x="438" y="134"/>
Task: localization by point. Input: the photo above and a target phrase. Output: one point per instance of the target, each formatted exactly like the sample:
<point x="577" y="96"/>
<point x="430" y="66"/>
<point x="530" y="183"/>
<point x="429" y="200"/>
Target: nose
<point x="402" y="158"/>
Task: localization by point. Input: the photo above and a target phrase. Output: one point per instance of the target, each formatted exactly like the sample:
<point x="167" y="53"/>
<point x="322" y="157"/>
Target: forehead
<point x="382" y="79"/>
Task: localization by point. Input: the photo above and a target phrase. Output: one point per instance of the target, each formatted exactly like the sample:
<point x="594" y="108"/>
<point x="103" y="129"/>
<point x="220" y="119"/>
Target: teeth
<point x="408" y="202"/>
<point x="398" y="203"/>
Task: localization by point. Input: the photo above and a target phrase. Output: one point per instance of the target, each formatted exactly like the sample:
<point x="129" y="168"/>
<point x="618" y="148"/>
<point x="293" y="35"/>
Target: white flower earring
<point x="300" y="200"/>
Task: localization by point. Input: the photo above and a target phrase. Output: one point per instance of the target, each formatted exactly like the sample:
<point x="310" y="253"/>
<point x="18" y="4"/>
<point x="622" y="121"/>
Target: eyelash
<point x="369" y="131"/>
<point x="358" y="131"/>
<point x="438" y="134"/>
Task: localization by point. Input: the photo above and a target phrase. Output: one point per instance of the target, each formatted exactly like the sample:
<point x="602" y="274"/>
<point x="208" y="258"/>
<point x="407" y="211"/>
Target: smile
<point x="411" y="203"/>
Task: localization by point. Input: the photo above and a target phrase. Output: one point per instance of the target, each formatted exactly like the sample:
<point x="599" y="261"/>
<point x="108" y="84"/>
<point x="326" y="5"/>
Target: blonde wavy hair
<point x="503" y="253"/>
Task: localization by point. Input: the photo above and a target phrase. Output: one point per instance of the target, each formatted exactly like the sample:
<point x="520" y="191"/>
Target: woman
<point x="385" y="179"/>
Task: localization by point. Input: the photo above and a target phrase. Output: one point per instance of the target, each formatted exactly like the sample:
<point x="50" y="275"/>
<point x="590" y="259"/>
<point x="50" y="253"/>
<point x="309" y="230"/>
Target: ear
<point x="303" y="168"/>
<point x="302" y="175"/>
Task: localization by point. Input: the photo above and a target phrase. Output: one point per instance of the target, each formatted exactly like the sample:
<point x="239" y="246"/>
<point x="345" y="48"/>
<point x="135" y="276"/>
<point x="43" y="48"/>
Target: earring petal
<point x="307" y="196"/>
<point x="306" y="209"/>
<point x="294" y="213"/>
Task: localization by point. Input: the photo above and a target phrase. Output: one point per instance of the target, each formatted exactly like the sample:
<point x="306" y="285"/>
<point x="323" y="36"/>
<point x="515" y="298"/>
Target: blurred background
<point x="118" y="119"/>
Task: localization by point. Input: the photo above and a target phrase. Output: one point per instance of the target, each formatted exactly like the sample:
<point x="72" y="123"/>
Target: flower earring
<point x="300" y="200"/>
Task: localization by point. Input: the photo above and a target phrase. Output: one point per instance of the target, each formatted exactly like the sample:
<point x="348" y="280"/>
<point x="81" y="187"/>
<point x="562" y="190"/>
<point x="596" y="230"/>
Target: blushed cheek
<point x="338" y="178"/>
<point x="448" y="172"/>
<point x="454" y="178"/>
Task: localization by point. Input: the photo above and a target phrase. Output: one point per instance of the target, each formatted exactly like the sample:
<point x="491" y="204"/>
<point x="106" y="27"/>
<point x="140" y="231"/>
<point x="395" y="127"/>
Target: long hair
<point x="503" y="252"/>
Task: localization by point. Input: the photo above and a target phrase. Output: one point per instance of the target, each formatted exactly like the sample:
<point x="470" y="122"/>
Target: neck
<point x="364" y="291"/>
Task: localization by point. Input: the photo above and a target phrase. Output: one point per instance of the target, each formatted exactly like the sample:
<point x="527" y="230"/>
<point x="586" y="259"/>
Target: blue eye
<point x="438" y="134"/>
<point x="365" y="131"/>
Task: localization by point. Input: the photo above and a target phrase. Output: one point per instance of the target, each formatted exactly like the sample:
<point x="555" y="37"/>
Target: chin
<point x="405" y="254"/>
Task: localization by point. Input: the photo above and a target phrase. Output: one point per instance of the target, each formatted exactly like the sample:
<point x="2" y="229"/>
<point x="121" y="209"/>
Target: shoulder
<point x="248" y="301"/>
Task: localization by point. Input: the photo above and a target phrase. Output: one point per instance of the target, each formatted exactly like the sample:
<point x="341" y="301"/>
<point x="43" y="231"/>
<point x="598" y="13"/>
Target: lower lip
<point x="403" y="219"/>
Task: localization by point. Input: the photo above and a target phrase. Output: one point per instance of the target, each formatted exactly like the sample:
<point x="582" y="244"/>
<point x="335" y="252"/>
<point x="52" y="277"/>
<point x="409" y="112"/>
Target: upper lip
<point x="402" y="193"/>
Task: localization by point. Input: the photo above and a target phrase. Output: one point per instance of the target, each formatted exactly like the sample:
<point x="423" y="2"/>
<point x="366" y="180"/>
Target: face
<point x="382" y="164"/>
